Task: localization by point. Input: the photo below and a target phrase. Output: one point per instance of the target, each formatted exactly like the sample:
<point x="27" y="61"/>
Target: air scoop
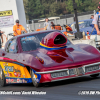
<point x="55" y="44"/>
<point x="54" y="41"/>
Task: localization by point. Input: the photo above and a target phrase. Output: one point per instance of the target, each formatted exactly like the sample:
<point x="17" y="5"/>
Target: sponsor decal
<point x="7" y="74"/>
<point x="28" y="38"/>
<point x="15" y="80"/>
<point x="37" y="80"/>
<point x="37" y="77"/>
<point x="19" y="75"/>
<point x="12" y="80"/>
<point x="5" y="64"/>
<point x="9" y="81"/>
<point x="8" y="68"/>
<point x="18" y="80"/>
<point x="23" y="81"/>
<point x="10" y="74"/>
<point x="15" y="74"/>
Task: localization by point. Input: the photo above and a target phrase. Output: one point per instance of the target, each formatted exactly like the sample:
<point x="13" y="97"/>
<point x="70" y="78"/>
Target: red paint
<point x="71" y="57"/>
<point x="15" y="74"/>
<point x="49" y="40"/>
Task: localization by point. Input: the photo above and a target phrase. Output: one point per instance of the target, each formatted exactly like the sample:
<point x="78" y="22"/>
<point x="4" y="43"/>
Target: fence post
<point x="94" y="12"/>
<point x="33" y="26"/>
<point x="66" y="19"/>
<point x="55" y="21"/>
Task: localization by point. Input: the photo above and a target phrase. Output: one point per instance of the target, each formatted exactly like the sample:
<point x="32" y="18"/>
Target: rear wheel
<point x="2" y="78"/>
<point x="94" y="75"/>
<point x="33" y="77"/>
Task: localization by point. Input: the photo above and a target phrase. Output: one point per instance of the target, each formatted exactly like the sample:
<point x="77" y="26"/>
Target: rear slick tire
<point x="2" y="78"/>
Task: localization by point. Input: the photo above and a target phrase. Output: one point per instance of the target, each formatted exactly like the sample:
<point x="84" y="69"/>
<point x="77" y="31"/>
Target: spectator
<point x="18" y="29"/>
<point x="52" y="25"/>
<point x="1" y="32"/>
<point x="92" y="17"/>
<point x="96" y="22"/>
<point x="47" y="24"/>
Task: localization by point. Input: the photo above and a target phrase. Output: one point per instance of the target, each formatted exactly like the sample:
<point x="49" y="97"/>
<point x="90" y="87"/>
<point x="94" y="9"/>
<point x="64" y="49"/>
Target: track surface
<point x="62" y="90"/>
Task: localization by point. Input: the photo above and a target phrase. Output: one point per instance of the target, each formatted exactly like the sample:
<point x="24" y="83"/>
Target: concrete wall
<point x="18" y="12"/>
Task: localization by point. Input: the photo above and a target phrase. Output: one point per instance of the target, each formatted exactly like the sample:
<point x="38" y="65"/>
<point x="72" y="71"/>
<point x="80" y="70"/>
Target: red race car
<point x="46" y="56"/>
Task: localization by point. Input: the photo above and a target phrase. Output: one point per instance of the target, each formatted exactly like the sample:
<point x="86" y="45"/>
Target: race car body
<point x="46" y="56"/>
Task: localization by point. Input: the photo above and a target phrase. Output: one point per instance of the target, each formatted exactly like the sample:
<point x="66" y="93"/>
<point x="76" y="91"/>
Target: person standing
<point x="96" y="22"/>
<point x="1" y="32"/>
<point x="92" y="17"/>
<point x="52" y="25"/>
<point x="47" y="24"/>
<point x="18" y="29"/>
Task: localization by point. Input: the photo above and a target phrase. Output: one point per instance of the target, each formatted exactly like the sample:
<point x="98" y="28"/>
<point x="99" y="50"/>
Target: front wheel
<point x="2" y="78"/>
<point x="94" y="75"/>
<point x="34" y="79"/>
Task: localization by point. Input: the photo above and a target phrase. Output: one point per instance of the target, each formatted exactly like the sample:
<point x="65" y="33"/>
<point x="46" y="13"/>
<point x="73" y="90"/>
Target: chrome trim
<point x="83" y="68"/>
<point x="93" y="70"/>
<point x="46" y="72"/>
<point x="60" y="76"/>
<point x="73" y="77"/>
<point x="91" y="64"/>
<point x="74" y="70"/>
<point x="51" y="71"/>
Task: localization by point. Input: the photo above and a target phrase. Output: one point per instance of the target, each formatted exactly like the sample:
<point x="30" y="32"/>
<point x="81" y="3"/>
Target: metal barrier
<point x="32" y="25"/>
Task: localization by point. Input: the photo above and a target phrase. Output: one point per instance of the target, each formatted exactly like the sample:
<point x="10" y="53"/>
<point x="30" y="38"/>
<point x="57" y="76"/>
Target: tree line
<point x="35" y="9"/>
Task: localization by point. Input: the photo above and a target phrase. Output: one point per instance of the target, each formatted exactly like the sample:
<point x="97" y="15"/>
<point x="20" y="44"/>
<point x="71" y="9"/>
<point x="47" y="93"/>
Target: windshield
<point x="30" y="43"/>
<point x="82" y="24"/>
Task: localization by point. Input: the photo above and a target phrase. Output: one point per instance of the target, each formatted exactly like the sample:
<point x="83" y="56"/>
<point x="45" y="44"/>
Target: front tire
<point x="35" y="83"/>
<point x="94" y="75"/>
<point x="2" y="78"/>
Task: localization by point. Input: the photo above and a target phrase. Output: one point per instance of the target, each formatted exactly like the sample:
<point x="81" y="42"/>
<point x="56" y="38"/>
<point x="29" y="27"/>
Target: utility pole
<point x="78" y="34"/>
<point x="28" y="10"/>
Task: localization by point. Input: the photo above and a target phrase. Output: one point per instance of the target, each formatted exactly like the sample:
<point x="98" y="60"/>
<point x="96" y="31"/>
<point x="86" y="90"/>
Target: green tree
<point x="26" y="8"/>
<point x="46" y="8"/>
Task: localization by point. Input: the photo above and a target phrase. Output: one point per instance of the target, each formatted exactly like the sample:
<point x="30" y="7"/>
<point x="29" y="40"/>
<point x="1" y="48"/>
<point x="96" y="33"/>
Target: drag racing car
<point x="84" y="26"/>
<point x="46" y="56"/>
